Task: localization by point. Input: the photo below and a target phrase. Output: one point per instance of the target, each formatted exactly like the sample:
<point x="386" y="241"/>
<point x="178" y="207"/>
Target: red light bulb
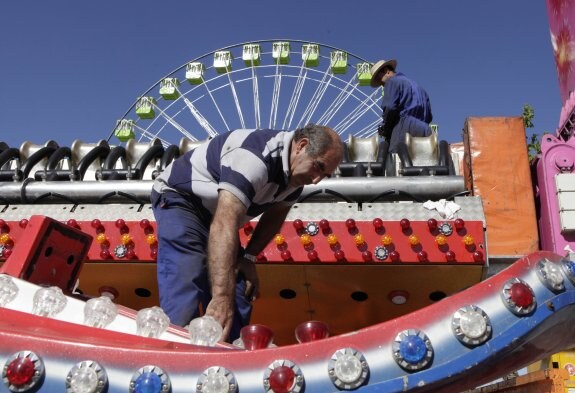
<point x="377" y="223"/>
<point x="23" y="223"/>
<point x="394" y="256"/>
<point x="298" y="224"/>
<point x="96" y="223"/>
<point x="311" y="331"/>
<point x="105" y="254"/>
<point x="324" y="224"/>
<point x="130" y="253"/>
<point x="154" y="253"/>
<point x="459" y="223"/>
<point x="2" y="223"/>
<point x="367" y="256"/>
<point x="521" y="295"/>
<point x="478" y="256"/>
<point x="120" y="223"/>
<point x="282" y="379"/>
<point x="405" y="224"/>
<point x="312" y="255"/>
<point x="145" y="223"/>
<point x="256" y="336"/>
<point x="6" y="253"/>
<point x="450" y="256"/>
<point x="20" y="371"/>
<point x="73" y="223"/>
<point x="339" y="255"/>
<point x="422" y="256"/>
<point x="350" y="223"/>
<point x="432" y="224"/>
<point x="286" y="255"/>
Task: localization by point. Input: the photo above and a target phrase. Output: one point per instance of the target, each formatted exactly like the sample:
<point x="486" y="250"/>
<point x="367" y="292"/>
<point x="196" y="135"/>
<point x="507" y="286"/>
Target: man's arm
<point x="223" y="242"/>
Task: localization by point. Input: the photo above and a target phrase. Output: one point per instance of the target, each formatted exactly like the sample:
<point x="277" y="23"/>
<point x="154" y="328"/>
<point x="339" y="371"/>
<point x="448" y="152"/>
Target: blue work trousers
<point x="183" y="283"/>
<point x="407" y="125"/>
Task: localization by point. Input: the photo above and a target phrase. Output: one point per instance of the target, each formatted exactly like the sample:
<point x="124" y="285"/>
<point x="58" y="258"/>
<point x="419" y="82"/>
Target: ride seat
<point x="81" y="161"/>
<point x="424" y="156"/>
<point x="137" y="161"/>
<point x="18" y="164"/>
<point x="363" y="157"/>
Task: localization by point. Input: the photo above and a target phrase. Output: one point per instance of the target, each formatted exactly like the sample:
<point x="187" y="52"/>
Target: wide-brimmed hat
<point x="378" y="67"/>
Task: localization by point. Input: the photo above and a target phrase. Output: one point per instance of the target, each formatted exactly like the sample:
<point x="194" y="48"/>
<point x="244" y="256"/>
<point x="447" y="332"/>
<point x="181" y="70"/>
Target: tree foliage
<point x="533" y="142"/>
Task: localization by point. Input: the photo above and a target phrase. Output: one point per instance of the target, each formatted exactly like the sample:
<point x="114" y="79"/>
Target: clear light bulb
<point x="99" y="312"/>
<point x="8" y="290"/>
<point x="216" y="383"/>
<point x="83" y="380"/>
<point x="473" y="324"/>
<point x="205" y="331"/>
<point x="152" y="322"/>
<point x="48" y="302"/>
<point x="348" y="368"/>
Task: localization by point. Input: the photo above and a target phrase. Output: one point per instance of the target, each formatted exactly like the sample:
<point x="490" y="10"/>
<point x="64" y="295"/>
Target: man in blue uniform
<point x="204" y="197"/>
<point x="406" y="107"/>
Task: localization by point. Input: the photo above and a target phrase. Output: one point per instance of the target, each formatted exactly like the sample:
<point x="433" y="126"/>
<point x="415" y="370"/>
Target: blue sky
<point x="70" y="69"/>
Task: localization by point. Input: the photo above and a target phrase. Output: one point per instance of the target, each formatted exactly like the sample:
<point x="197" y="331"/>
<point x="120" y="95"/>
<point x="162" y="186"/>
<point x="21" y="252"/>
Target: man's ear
<point x="301" y="144"/>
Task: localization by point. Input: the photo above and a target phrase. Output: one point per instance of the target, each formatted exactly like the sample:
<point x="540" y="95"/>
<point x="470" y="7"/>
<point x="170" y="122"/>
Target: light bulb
<point x="152" y="322"/>
<point x="99" y="312"/>
<point x="8" y="290"/>
<point x="205" y="331"/>
<point x="49" y="301"/>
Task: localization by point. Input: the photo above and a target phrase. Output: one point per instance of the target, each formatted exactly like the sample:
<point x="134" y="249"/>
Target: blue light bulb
<point x="412" y="349"/>
<point x="148" y="382"/>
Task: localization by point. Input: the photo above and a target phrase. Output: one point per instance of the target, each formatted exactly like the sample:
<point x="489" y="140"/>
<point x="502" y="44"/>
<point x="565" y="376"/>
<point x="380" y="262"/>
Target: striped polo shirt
<point x="251" y="164"/>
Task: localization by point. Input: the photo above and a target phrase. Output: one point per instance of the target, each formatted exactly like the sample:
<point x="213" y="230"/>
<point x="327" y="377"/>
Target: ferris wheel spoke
<point x="337" y="104"/>
<point x="150" y="136"/>
<point x="217" y="107"/>
<point x="236" y="100"/>
<point x="256" y="93"/>
<point x="275" y="96"/>
<point x="174" y="123"/>
<point x="369" y="130"/>
<point x="356" y="113"/>
<point x="316" y="99"/>
<point x="296" y="94"/>
<point x="200" y="119"/>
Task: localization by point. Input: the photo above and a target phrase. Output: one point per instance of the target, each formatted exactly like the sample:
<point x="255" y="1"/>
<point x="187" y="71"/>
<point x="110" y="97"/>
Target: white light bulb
<point x="49" y="301"/>
<point x="553" y="274"/>
<point x="472" y="324"/>
<point x="152" y="322"/>
<point x="216" y="383"/>
<point x="348" y="368"/>
<point x="8" y="290"/>
<point x="205" y="331"/>
<point x="83" y="380"/>
<point x="99" y="312"/>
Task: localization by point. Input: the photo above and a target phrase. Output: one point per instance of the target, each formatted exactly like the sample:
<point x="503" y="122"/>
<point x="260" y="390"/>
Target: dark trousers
<point x="182" y="275"/>
<point x="407" y="125"/>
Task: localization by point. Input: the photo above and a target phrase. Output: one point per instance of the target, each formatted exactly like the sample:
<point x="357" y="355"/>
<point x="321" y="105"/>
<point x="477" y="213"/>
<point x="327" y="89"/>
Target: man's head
<point x="382" y="71"/>
<point x="315" y="153"/>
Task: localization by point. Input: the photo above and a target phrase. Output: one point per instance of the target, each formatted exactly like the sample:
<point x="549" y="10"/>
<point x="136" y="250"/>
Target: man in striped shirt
<point x="204" y="197"/>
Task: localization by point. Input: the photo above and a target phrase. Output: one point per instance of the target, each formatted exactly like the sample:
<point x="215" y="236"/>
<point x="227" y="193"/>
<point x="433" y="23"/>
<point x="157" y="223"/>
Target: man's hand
<point x="222" y="310"/>
<point x="248" y="269"/>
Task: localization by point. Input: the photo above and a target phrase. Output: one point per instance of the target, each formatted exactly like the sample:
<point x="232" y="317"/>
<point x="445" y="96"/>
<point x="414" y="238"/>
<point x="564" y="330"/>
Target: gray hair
<point x="320" y="140"/>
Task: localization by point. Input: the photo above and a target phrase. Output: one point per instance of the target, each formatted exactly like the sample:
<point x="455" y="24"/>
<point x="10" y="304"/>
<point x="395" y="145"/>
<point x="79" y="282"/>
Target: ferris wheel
<point x="278" y="84"/>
